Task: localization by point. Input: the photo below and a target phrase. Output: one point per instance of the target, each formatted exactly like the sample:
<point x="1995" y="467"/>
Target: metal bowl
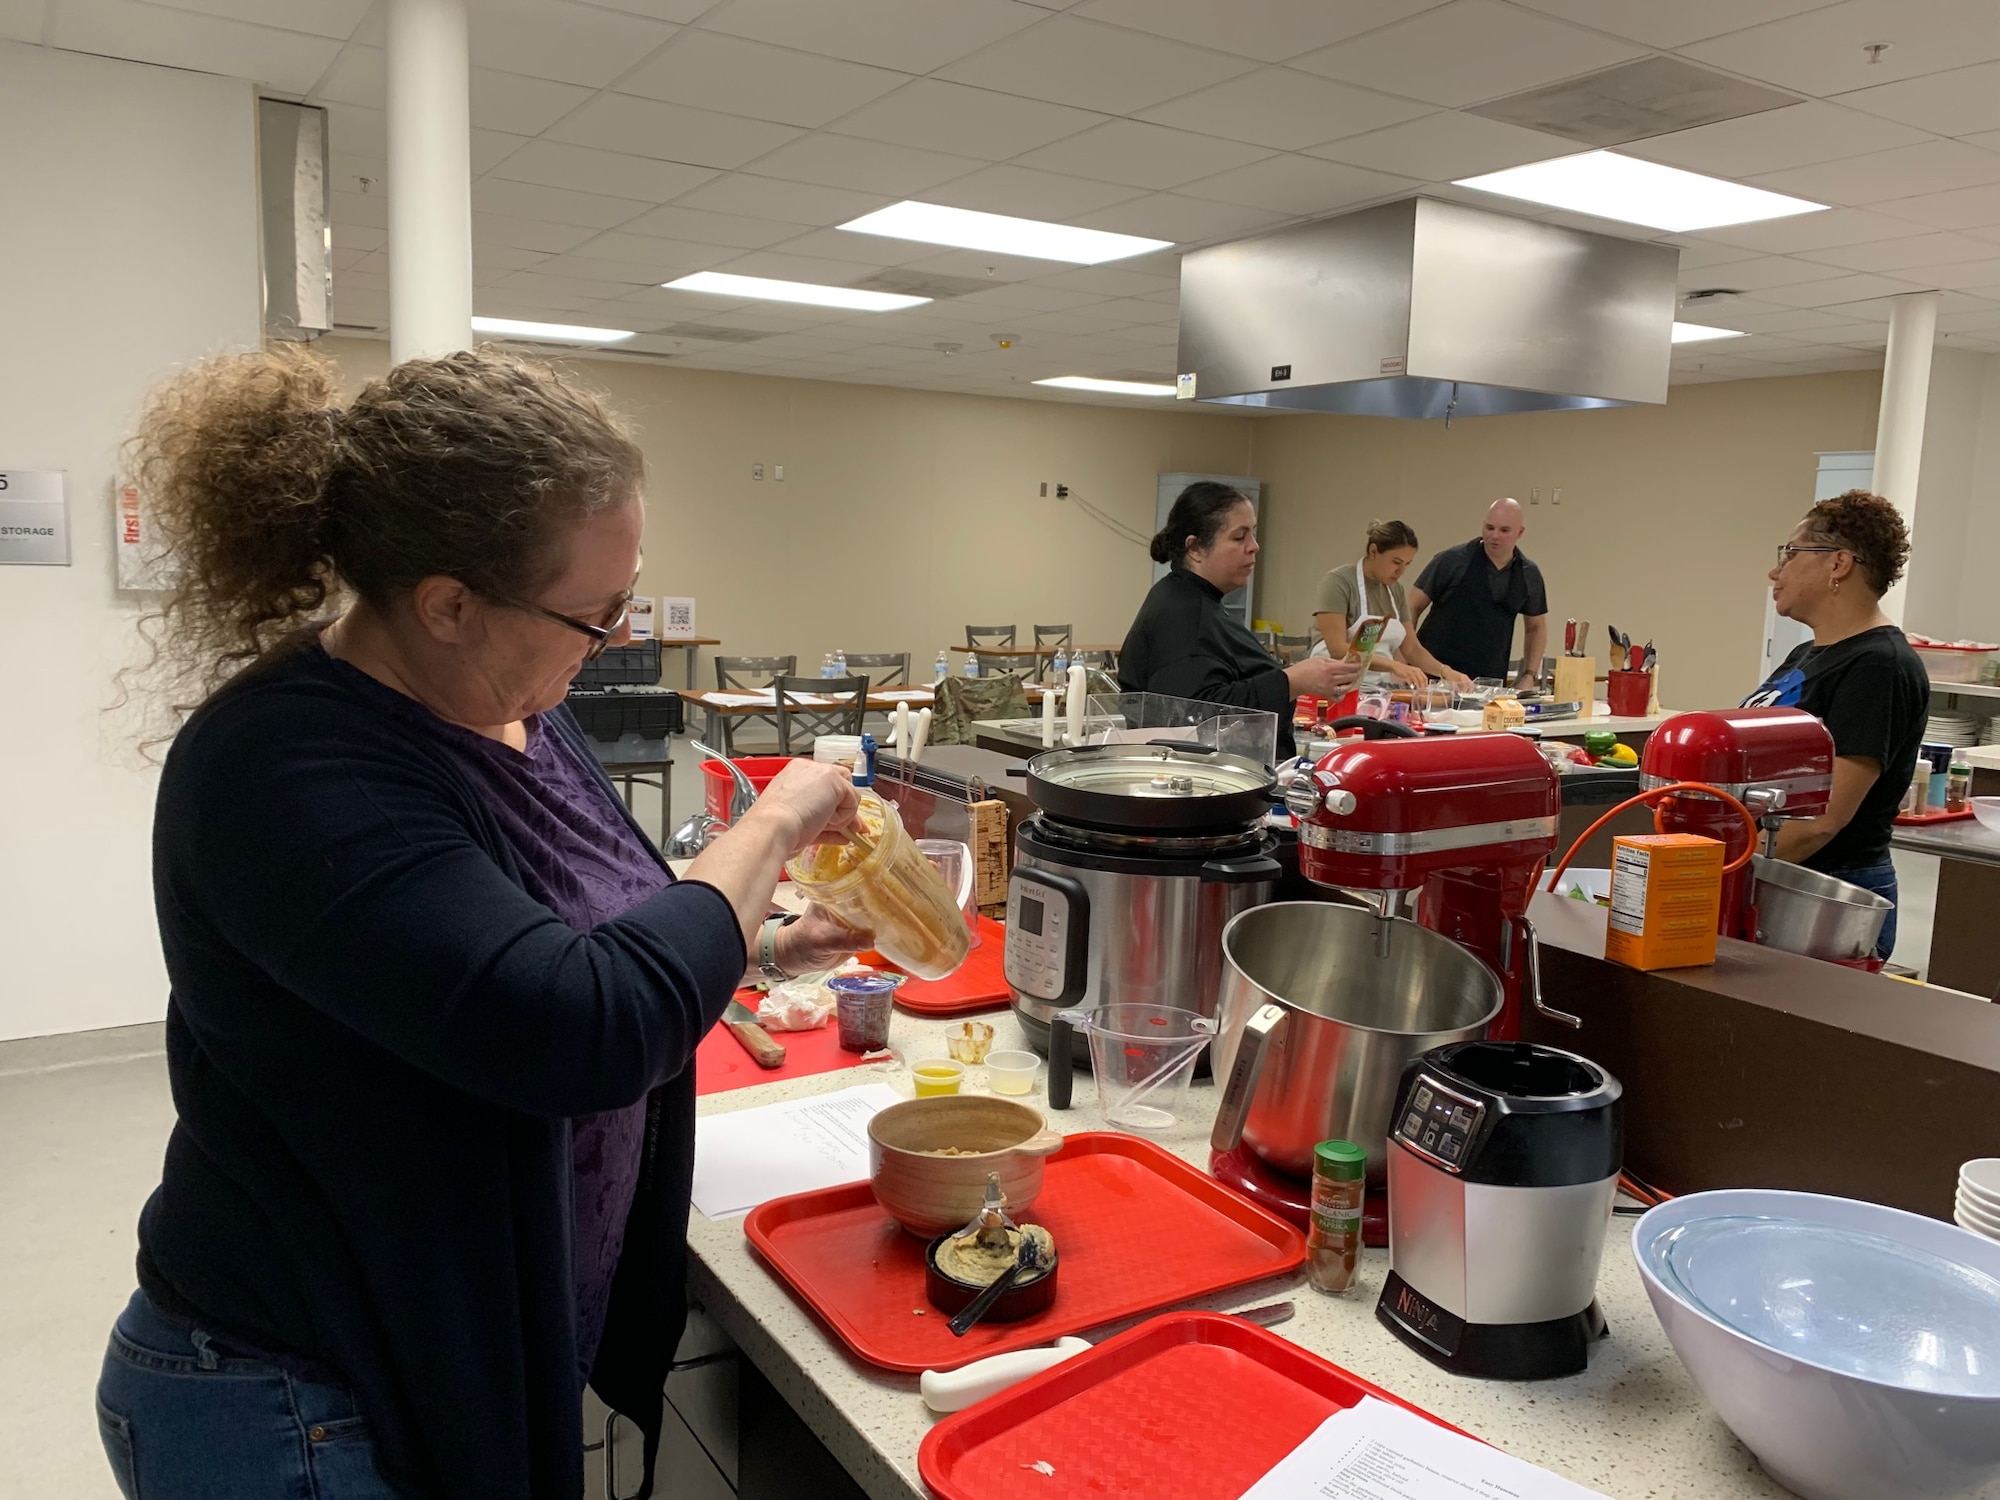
<point x="1805" y="912"/>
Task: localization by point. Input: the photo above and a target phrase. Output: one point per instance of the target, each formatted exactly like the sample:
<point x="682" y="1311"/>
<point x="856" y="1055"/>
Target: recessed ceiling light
<point x="1701" y="333"/>
<point x="1609" y="186"/>
<point x="1108" y="387"/>
<point x="933" y="224"/>
<point x="722" y="283"/>
<point x="568" y="333"/>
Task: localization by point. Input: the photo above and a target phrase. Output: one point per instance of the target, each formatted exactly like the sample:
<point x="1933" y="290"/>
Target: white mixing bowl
<point x="1854" y="1349"/>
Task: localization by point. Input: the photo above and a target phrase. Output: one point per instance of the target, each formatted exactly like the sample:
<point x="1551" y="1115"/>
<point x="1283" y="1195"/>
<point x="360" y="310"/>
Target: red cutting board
<point x="1196" y="1405"/>
<point x="1112" y="1201"/>
<point x="980" y="983"/>
<point x="721" y="1064"/>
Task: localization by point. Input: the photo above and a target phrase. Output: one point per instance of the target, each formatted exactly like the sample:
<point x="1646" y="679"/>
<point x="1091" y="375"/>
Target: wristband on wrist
<point x="767" y="947"/>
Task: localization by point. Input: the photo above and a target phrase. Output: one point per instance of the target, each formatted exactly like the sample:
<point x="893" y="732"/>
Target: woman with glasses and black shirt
<point x="435" y="999"/>
<point x="1860" y="676"/>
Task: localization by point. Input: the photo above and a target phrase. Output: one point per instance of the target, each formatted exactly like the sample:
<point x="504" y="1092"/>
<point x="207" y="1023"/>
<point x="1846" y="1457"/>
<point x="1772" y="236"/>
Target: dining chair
<point x="1291" y="648"/>
<point x="1020" y="667"/>
<point x="1003" y="635"/>
<point x="814" y="719"/>
<point x="748" y="674"/>
<point x="894" y="667"/>
<point x="1048" y="637"/>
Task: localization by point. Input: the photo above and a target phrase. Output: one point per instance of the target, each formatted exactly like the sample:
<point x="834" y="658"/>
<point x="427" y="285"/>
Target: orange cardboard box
<point x="1666" y="892"/>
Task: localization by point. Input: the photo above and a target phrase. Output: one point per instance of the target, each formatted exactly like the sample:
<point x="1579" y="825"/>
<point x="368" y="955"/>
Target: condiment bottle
<point x="1333" y="1241"/>
<point x="1958" y="787"/>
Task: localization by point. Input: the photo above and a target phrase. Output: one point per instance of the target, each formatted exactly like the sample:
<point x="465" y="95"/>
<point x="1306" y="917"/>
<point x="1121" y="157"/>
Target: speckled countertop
<point x="1632" y="1426"/>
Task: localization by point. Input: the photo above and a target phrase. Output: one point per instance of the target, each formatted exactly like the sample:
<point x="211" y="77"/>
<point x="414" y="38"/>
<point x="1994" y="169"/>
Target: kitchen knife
<point x="1569" y="637"/>
<point x="954" y="1390"/>
<point x="1583" y="638"/>
<point x="755" y="1039"/>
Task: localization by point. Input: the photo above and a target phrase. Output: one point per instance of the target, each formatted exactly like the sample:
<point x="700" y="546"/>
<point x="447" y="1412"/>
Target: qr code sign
<point x="677" y="619"/>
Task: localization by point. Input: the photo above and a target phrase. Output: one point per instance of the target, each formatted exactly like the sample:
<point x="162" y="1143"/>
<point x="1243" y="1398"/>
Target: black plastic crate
<point x="636" y="665"/>
<point x="609" y="714"/>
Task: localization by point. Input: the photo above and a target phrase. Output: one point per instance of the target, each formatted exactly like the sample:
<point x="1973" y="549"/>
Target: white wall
<point x="1956" y="537"/>
<point x="130" y="245"/>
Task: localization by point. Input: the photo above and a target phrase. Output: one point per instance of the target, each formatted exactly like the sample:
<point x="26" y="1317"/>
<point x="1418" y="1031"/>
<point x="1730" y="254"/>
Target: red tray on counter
<point x="1138" y="1416"/>
<point x="862" y="1274"/>
<point x="979" y="984"/>
<point x="1925" y="819"/>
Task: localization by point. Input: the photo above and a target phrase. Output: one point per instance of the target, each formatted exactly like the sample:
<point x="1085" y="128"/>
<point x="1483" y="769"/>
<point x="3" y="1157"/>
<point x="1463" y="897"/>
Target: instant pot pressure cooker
<point x="1138" y="856"/>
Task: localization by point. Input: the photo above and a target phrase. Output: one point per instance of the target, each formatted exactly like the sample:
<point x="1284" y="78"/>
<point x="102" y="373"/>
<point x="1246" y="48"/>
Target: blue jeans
<point x="184" y="1417"/>
<point x="1880" y="878"/>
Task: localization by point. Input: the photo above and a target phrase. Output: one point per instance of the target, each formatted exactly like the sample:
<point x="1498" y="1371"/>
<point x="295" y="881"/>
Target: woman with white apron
<point x="1373" y="588"/>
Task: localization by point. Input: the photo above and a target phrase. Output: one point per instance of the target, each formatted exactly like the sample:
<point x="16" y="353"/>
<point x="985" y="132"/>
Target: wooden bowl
<point x="929" y="1195"/>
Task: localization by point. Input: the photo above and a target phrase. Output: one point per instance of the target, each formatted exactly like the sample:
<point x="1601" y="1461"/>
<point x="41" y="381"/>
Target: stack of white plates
<point x="1955" y="729"/>
<point x="1989" y="731"/>
<point x="1978" y="1204"/>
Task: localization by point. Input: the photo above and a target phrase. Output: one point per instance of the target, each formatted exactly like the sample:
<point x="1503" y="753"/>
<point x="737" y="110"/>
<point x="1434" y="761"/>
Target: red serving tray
<point x="1922" y="820"/>
<point x="1104" y="1196"/>
<point x="1138" y="1415"/>
<point x="980" y="983"/>
<point x="721" y="1064"/>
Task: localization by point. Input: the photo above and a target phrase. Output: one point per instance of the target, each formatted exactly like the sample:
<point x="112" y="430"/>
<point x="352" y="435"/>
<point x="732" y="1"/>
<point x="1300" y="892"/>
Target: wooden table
<point x="880" y="701"/>
<point x="1043" y="651"/>
<point x="692" y="645"/>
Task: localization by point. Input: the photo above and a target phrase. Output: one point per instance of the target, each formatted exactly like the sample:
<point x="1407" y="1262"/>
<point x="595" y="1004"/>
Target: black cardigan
<point x="376" y="1041"/>
<point x="1184" y="644"/>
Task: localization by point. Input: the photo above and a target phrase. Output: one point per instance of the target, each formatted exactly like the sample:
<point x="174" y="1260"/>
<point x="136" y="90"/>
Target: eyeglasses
<point x="600" y="634"/>
<point x="1787" y="552"/>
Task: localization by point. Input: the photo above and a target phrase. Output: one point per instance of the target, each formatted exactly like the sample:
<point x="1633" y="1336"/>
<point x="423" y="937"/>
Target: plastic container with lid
<point x="890" y="890"/>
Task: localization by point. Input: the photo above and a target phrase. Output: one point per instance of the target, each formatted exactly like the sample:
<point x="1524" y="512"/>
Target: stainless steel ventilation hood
<point x="1423" y="308"/>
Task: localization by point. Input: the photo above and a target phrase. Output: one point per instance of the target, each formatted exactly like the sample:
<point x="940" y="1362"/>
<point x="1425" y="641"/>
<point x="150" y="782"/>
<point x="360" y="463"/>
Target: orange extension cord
<point x="1654" y="797"/>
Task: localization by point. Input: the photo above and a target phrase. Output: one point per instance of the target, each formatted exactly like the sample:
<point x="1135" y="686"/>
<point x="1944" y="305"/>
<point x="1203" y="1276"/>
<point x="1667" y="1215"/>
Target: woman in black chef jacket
<point x="1857" y="674"/>
<point x="1185" y="645"/>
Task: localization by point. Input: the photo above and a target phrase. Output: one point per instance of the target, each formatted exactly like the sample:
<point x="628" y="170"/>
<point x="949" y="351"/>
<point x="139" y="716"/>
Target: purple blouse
<point x="583" y="860"/>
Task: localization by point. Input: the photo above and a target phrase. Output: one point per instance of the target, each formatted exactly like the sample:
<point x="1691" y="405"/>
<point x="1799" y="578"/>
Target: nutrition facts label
<point x="1629" y="874"/>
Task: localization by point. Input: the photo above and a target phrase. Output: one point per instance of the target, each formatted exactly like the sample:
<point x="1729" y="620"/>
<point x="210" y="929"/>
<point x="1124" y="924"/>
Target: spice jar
<point x="889" y="889"/>
<point x="1333" y="1241"/>
<point x="1958" y="789"/>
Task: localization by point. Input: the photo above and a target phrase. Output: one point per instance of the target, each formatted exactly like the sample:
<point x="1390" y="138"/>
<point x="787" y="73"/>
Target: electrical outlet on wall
<point x="756" y="471"/>
<point x="1045" y="489"/>
<point x="778" y="473"/>
<point x="1556" y="496"/>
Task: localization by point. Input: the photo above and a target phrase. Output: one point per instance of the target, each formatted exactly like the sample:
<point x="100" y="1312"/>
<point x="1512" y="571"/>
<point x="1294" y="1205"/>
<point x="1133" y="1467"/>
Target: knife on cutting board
<point x="755" y="1039"/>
<point x="954" y="1390"/>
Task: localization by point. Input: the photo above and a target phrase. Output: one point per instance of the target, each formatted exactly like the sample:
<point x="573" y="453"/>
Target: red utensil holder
<point x="1629" y="694"/>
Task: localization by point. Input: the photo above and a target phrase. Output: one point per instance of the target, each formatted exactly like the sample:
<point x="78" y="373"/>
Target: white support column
<point x="1899" y="428"/>
<point x="430" y="180"/>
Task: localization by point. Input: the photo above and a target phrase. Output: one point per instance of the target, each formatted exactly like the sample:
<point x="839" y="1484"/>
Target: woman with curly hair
<point x="435" y="999"/>
<point x="1860" y="676"/>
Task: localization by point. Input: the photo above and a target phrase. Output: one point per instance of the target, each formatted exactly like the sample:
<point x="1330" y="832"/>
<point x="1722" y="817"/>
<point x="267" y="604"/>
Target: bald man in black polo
<point x="1468" y="597"/>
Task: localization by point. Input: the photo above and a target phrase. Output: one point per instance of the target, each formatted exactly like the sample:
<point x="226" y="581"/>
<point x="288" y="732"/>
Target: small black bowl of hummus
<point x="957" y="1268"/>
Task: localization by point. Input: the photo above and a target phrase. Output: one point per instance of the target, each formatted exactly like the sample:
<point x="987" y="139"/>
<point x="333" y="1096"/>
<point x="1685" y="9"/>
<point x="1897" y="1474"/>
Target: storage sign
<point x="34" y="517"/>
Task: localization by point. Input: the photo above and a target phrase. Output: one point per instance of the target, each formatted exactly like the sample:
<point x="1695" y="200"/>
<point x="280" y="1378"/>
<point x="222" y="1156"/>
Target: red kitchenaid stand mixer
<point x="1466" y="821"/>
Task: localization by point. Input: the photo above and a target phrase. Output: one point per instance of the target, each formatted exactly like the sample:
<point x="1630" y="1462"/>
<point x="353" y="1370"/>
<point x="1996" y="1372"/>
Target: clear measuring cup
<point x="953" y="862"/>
<point x="1142" y="1056"/>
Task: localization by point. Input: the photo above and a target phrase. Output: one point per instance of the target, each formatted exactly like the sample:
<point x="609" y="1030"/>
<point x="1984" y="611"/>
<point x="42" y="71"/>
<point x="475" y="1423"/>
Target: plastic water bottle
<point x="839" y="659"/>
<point x="941" y="668"/>
<point x="1059" y="669"/>
<point x="826" y="666"/>
<point x="971" y="664"/>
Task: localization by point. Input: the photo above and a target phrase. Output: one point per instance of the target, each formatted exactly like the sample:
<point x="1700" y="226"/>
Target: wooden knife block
<point x="1576" y="680"/>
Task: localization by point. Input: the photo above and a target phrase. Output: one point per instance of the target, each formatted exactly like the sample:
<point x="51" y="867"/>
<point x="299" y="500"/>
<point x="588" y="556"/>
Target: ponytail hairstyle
<point x="273" y="497"/>
<point x="1387" y="536"/>
<point x="1198" y="514"/>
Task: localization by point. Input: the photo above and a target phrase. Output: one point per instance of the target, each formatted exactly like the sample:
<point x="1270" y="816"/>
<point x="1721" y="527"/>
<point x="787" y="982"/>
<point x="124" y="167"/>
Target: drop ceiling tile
<point x="1960" y="102"/>
<point x="1268" y="30"/>
<point x="1119" y="280"/>
<point x="362" y="310"/>
<point x="1894" y="255"/>
<point x="361" y="281"/>
<point x="1930" y="167"/>
<point x="538" y="286"/>
<point x="346" y="258"/>
<point x="492" y="147"/>
<point x="358" y="132"/>
<point x="1284" y="110"/>
<point x="1972" y="208"/>
<point x="361" y="237"/>
<point x="1802" y="232"/>
<point x="1029" y="194"/>
<point x="681" y="11"/>
<point x="1759" y="272"/>
<point x="1670" y="25"/>
<point x="1169" y="216"/>
<point x="844" y="161"/>
<point x="671" y="132"/>
<point x="328" y="18"/>
<point x="371" y="209"/>
<point x="738" y="77"/>
<point x="655" y="305"/>
<point x="629" y="273"/>
<point x="983" y="264"/>
<point x="522" y="105"/>
<point x="791" y="202"/>
<point x="1970" y="322"/>
<point x="938" y="116"/>
<point x="1027" y="297"/>
<point x="674" y="222"/>
<point x="1468" y="51"/>
<point x="1871" y="335"/>
<point x="863" y="249"/>
<point x="1697" y="254"/>
<point x="1446" y="145"/>
<point x="558" y="165"/>
<point x="1137" y="154"/>
<point x="554" y="205"/>
<point x="1975" y="276"/>
<point x="1070" y="61"/>
<point x="1838" y="291"/>
<point x="1821" y="52"/>
<point x="915" y="36"/>
<point x="1131" y="310"/>
<point x="1294" y="185"/>
<point x="569" y="43"/>
<point x="777" y="264"/>
<point x="1795" y="136"/>
<point x="284" y="60"/>
<point x="345" y="173"/>
<point x="500" y="259"/>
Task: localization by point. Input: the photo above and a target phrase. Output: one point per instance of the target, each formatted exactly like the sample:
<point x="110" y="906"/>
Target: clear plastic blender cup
<point x="953" y="862"/>
<point x="1141" y="1055"/>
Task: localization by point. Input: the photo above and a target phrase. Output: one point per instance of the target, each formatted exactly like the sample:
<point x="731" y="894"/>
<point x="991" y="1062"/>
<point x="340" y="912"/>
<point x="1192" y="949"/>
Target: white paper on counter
<point x="751" y="1156"/>
<point x="1376" y="1451"/>
<point x="904" y="695"/>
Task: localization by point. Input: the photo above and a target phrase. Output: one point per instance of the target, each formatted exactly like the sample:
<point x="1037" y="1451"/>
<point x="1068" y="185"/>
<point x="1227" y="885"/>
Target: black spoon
<point x="1025" y="1263"/>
